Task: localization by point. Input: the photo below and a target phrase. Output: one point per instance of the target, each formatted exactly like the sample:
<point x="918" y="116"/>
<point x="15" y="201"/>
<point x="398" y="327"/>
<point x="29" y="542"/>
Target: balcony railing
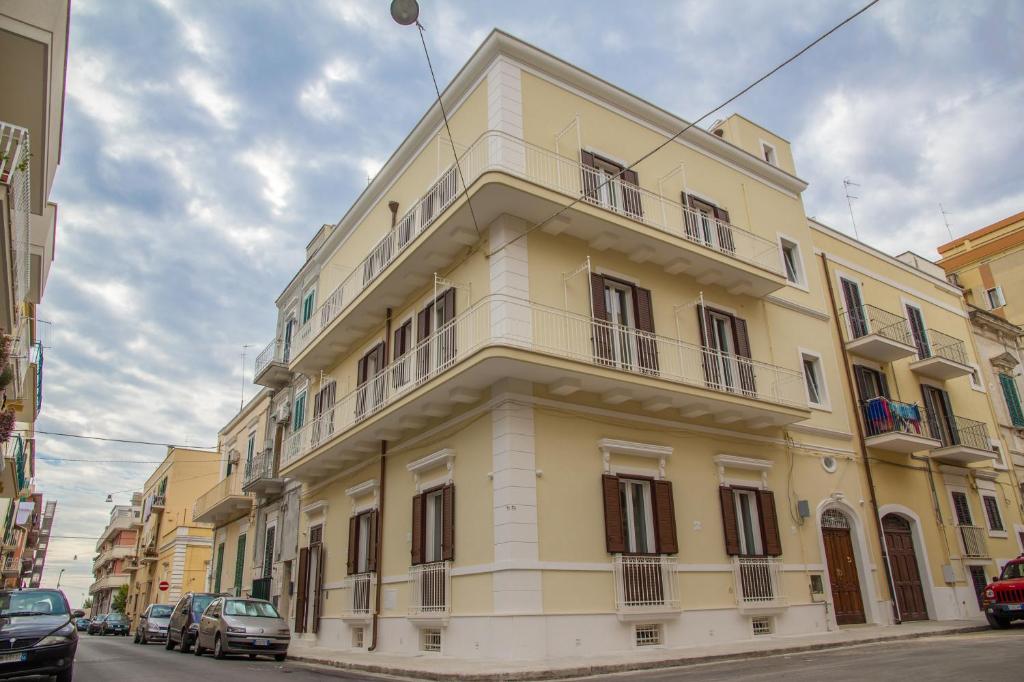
<point x="261" y="588"/>
<point x="226" y="487"/>
<point x="882" y="416"/>
<point x="430" y="588"/>
<point x="868" y="319"/>
<point x="261" y="465"/>
<point x="958" y="430"/>
<point x="496" y="151"/>
<point x="358" y="595"/>
<point x="973" y="540"/>
<point x="758" y="581"/>
<point x="944" y="346"/>
<point x="276" y="351"/>
<point x="645" y="583"/>
<point x="499" y="320"/>
<point x="15" y="170"/>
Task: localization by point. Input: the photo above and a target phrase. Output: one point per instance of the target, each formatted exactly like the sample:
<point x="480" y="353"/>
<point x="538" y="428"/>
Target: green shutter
<point x="219" y="568"/>
<point x="1012" y="399"/>
<point x="239" y="564"/>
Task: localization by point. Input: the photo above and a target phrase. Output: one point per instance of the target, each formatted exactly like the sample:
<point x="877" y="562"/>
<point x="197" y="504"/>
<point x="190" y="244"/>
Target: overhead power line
<point x="129" y="441"/>
<point x="592" y="192"/>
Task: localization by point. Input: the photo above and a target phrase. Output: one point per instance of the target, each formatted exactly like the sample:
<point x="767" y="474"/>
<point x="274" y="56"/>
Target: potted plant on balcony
<point x="6" y="425"/>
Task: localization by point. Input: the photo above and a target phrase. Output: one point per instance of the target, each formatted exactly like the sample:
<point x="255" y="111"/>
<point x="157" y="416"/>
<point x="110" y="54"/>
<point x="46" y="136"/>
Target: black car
<point x="82" y="623"/>
<point x="37" y="634"/>
<point x="184" y="623"/>
<point x="96" y="625"/>
<point x="115" y="624"/>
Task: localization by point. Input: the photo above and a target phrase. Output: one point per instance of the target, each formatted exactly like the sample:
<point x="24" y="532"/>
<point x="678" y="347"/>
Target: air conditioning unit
<point x="233" y="456"/>
<point x="284" y="413"/>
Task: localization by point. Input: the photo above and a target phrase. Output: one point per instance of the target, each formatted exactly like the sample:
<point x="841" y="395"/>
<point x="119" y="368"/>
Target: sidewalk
<point x="439" y="668"/>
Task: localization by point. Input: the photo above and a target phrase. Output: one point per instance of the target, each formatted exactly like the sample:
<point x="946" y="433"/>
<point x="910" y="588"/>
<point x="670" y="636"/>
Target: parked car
<point x="1003" y="599"/>
<point x="153" y="623"/>
<point x="242" y="626"/>
<point x="96" y="624"/>
<point x="184" y="621"/>
<point x="115" y="624"/>
<point x="38" y="634"/>
<point x="82" y="624"/>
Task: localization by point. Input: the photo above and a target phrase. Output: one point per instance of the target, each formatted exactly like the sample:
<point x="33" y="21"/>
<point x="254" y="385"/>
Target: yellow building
<point x="171" y="546"/>
<point x="632" y="382"/>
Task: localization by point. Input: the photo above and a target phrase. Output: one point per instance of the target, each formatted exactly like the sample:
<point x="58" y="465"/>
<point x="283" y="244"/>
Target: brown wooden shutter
<point x="730" y="526"/>
<point x="603" y="351"/>
<point x="423" y="348"/>
<point x="318" y="552"/>
<point x="371" y="545"/>
<point x="690" y="218"/>
<point x="352" y="566"/>
<point x="746" y="368"/>
<point x="361" y="369"/>
<point x="712" y="370"/>
<point x="448" y="303"/>
<point x="647" y="344"/>
<point x="631" y="198"/>
<point x="301" y="590"/>
<point x="769" y="523"/>
<point x="448" y="523"/>
<point x="725" y="238"/>
<point x="589" y="181"/>
<point x="417" y="530"/>
<point x="615" y="539"/>
<point x="664" y="517"/>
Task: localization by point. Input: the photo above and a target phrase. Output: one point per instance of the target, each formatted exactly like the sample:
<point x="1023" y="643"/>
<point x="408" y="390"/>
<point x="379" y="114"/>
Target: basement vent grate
<point x="648" y="635"/>
<point x="761" y="626"/>
<point x="430" y="640"/>
<point x="357" y="638"/>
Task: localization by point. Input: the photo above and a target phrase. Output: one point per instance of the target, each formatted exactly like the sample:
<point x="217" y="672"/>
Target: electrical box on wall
<point x="803" y="508"/>
<point x="948" y="573"/>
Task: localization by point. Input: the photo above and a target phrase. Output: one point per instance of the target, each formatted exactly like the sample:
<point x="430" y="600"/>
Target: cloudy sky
<point x="205" y="142"/>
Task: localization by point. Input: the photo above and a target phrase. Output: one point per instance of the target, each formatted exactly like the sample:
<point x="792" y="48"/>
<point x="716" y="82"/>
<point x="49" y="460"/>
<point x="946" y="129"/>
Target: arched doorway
<point x="906" y="574"/>
<point x="842" y="567"/>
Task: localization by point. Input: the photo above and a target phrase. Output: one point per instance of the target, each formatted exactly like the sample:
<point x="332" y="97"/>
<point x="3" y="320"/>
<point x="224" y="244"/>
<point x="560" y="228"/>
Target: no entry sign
<point x="164" y="585"/>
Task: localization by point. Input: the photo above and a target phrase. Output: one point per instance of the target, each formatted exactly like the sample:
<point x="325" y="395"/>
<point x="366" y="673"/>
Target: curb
<point x="624" y="666"/>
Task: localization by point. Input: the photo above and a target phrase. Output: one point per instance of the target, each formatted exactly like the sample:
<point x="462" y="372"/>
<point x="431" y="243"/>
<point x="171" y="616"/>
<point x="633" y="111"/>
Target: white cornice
<point x="798" y="307"/>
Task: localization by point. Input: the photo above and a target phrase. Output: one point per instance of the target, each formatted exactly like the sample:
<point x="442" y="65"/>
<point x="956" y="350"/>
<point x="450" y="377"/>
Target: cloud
<point x="318" y="97"/>
<point x="210" y="96"/>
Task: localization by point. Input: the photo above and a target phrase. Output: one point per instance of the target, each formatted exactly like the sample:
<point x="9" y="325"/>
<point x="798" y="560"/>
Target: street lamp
<point x="59" y="576"/>
<point x="405" y="12"/>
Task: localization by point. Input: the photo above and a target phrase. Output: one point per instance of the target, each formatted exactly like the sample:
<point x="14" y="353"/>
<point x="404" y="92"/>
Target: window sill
<point x="998" y="534"/>
<point x="820" y="408"/>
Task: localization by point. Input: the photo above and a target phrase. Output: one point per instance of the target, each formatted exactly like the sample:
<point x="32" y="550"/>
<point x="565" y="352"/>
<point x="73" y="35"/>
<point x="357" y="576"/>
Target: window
<point x="975" y="377"/>
<point x="268" y="552"/>
<point x="624" y="325"/>
<point x="768" y="152"/>
<point x="239" y="564"/>
<point x="749" y="524"/>
<point x="648" y="634"/>
<point x="962" y="509"/>
<point x="792" y="261"/>
<point x="709" y="225"/>
<point x="814" y="379"/>
<point x="362" y="542"/>
<point x="995" y="298"/>
<point x="434" y="525"/>
<point x="308" y="305"/>
<point x="1012" y="398"/>
<point x="995" y="521"/>
<point x="761" y="625"/>
<point x="610" y="185"/>
<point x="289" y="328"/>
<point x="918" y="331"/>
<point x="250" y="451"/>
<point x="299" y="417"/>
<point x="430" y="640"/>
<point x="357" y="638"/>
<point x="218" y="568"/>
<point x="637" y="520"/>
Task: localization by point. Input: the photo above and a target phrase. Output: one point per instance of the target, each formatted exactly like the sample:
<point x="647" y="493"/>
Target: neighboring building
<point x="42" y="544"/>
<point x="33" y="42"/>
<point x="20" y="543"/>
<point x="989" y="265"/>
<point x="115" y="551"/>
<point x="171" y="546"/>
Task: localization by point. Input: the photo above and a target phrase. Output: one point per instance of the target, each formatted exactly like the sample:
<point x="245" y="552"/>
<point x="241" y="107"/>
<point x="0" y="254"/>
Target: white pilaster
<point x="510" y="277"/>
<point x="505" y="115"/>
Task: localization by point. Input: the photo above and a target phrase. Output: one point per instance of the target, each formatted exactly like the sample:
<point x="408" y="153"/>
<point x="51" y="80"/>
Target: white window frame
<point x="984" y="511"/>
<point x="801" y="274"/>
<point x="998" y="291"/>
<point x="250" y="448"/>
<point x="978" y="385"/>
<point x="363" y="547"/>
<point x="623" y="341"/>
<point x="304" y="396"/>
<point x="755" y="520"/>
<point x="433" y="508"/>
<point x="769" y="150"/>
<point x="629" y="487"/>
<point x="824" y="403"/>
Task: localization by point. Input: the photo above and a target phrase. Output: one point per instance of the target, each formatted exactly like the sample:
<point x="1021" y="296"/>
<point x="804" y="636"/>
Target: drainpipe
<point x="863" y="447"/>
<point x="383" y="488"/>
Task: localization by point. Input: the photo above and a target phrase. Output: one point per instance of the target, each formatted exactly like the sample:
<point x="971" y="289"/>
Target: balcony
<point x="430" y="588"/>
<point x="114" y="553"/>
<point x="503" y="172"/>
<point x="942" y="357"/>
<point x="223" y="503"/>
<point x="877" y="334"/>
<point x="15" y="155"/>
<point x="26" y="380"/>
<point x="149" y="555"/>
<point x="116" y="524"/>
<point x="110" y="582"/>
<point x="14" y="476"/>
<point x="973" y="542"/>
<point x="501" y="336"/>
<point x="964" y="441"/>
<point x="358" y="592"/>
<point x="261" y="477"/>
<point x="897" y="427"/>
<point x="131" y="565"/>
<point x="11" y="567"/>
<point x="646" y="587"/>
<point x="758" y="584"/>
<point x="271" y="369"/>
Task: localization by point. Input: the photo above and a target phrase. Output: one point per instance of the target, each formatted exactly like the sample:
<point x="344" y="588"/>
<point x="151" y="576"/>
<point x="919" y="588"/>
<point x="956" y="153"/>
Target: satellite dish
<point x="405" y="12"/>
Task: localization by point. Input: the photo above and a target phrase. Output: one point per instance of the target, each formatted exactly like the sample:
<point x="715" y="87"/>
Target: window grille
<point x="430" y="640"/>
<point x="357" y="638"/>
<point x="833" y="518"/>
<point x="761" y="626"/>
<point x="648" y="635"/>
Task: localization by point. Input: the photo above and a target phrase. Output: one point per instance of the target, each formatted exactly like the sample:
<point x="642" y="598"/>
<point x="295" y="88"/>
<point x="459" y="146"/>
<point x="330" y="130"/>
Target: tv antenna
<point x="945" y="219"/>
<point x="847" y="184"/>
<point x="245" y="348"/>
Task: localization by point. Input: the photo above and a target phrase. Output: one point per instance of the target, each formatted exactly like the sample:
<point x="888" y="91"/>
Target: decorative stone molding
<point x="371" y="487"/>
<point x="445" y="458"/>
<point x="610" y="446"/>
<point x="747" y="463"/>
<point x="315" y="509"/>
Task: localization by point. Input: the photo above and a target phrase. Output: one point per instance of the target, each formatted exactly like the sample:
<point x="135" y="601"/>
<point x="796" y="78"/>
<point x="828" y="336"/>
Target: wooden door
<point x="906" y="576"/>
<point x="842" y="570"/>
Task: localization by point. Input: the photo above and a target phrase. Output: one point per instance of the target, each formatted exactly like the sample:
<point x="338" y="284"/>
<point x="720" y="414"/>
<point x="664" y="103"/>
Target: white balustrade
<point x="15" y="170"/>
<point x="973" y="541"/>
<point x="758" y="581"/>
<point x="358" y="590"/>
<point x="430" y="588"/>
<point x="645" y="583"/>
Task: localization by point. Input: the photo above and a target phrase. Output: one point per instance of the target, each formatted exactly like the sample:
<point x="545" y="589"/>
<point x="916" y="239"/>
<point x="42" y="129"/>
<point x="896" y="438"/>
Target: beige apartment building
<point x="33" y="42"/>
<point x="534" y="405"/>
<point x="171" y="546"/>
<point x="115" y="550"/>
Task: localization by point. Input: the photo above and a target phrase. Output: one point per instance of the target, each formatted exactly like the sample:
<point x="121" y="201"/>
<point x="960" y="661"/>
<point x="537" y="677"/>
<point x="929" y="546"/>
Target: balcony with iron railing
<point x="223" y="503"/>
<point x="358" y="597"/>
<point x="877" y="334"/>
<point x="973" y="543"/>
<point x="430" y="589"/>
<point x="15" y="171"/>
<point x="758" y="584"/>
<point x="567" y="352"/>
<point x="645" y="587"/>
<point x="22" y="391"/>
<point x="508" y="175"/>
<point x="897" y="427"/>
<point x="261" y="475"/>
<point x="271" y="366"/>
<point x="963" y="440"/>
<point x="941" y="356"/>
<point x="108" y="582"/>
<point x="11" y="566"/>
<point x="114" y="553"/>
<point x="14" y="477"/>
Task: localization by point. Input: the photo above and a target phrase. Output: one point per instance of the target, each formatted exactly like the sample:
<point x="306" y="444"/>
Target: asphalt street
<point x="985" y="656"/>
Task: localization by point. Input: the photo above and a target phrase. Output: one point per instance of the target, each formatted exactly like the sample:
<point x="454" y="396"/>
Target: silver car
<point x="153" y="622"/>
<point x="233" y="625"/>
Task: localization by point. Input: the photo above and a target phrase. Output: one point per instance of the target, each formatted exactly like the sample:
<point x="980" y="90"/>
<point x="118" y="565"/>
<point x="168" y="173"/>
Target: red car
<point x="1003" y="600"/>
